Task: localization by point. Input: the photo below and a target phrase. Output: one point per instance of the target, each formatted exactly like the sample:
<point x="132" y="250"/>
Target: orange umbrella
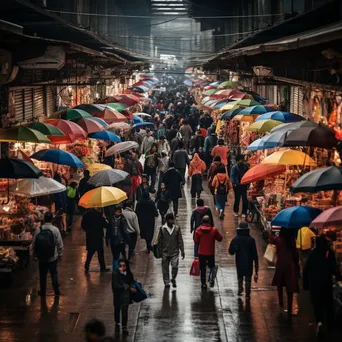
<point x="262" y="171"/>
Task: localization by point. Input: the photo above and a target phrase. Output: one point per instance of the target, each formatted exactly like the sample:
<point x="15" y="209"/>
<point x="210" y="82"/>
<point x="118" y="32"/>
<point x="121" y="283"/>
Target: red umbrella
<point x="71" y="130"/>
<point x="127" y="99"/>
<point x="127" y="114"/>
<point x="262" y="171"/>
<point x="330" y="217"/>
<point x="111" y="116"/>
<point x="90" y="126"/>
<point x="221" y="94"/>
<point x="209" y="87"/>
<point x="239" y="95"/>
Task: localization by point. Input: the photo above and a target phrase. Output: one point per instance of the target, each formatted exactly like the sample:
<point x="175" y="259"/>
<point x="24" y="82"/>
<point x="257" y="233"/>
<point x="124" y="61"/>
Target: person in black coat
<point x="93" y="224"/>
<point x="198" y="213"/>
<point x="244" y="248"/>
<point x="146" y="212"/>
<point x="173" y="180"/>
<point x="163" y="201"/>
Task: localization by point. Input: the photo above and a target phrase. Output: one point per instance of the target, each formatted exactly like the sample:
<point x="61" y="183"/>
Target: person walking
<point x="186" y="132"/>
<point x="151" y="164"/>
<point x="212" y="172"/>
<point x="196" y="169"/>
<point x="205" y="236"/>
<point x="132" y="227"/>
<point x="122" y="287"/>
<point x="47" y="246"/>
<point x="221" y="151"/>
<point x="221" y="184"/>
<point x="173" y="181"/>
<point x="146" y="212"/>
<point x="163" y="145"/>
<point x="243" y="246"/>
<point x="144" y="187"/>
<point x="84" y="186"/>
<point x="163" y="166"/>
<point x="198" y="213"/>
<point x="181" y="160"/>
<point x="318" y="272"/>
<point x="209" y="143"/>
<point x="71" y="201"/>
<point x="163" y="201"/>
<point x="93" y="224"/>
<point x="147" y="142"/>
<point x="287" y="267"/>
<point x="197" y="142"/>
<point x="171" y="242"/>
<point x="240" y="190"/>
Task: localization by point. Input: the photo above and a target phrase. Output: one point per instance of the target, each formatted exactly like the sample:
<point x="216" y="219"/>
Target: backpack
<point x="44" y="247"/>
<point x="222" y="188"/>
<point x="134" y="169"/>
<point x="150" y="163"/>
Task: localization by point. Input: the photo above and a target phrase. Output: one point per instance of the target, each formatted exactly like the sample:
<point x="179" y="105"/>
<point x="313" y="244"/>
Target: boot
<point x="248" y="285"/>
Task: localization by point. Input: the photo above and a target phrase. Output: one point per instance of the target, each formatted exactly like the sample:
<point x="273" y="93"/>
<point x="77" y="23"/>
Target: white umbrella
<point x="122" y="147"/>
<point x="37" y="187"/>
<point x="142" y="114"/>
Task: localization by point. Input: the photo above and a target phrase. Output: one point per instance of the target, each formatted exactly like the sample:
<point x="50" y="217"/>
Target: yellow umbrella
<point x="248" y="118"/>
<point x="229" y="106"/>
<point x="97" y="167"/>
<point x="102" y="197"/>
<point x="289" y="157"/>
<point x="263" y="125"/>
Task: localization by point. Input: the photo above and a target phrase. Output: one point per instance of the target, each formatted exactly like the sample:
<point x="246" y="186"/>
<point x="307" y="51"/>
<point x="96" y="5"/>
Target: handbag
<point x="195" y="268"/>
<point x="271" y="254"/>
<point x="140" y="294"/>
<point x="156" y="250"/>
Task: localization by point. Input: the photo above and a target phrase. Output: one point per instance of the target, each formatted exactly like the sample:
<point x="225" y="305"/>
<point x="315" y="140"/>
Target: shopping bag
<point x="140" y="294"/>
<point x="271" y="254"/>
<point x="195" y="268"/>
<point x="157" y="250"/>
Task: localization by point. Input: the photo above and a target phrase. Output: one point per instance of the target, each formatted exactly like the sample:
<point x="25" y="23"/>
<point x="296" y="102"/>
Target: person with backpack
<point x="72" y="199"/>
<point x="196" y="169"/>
<point x="163" y="201"/>
<point x="209" y="143"/>
<point x="47" y="246"/>
<point x="151" y="164"/>
<point x="221" y="184"/>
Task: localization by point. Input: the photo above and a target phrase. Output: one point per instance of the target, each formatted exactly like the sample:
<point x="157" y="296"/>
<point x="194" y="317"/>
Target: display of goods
<point x="80" y="150"/>
<point x="8" y="257"/>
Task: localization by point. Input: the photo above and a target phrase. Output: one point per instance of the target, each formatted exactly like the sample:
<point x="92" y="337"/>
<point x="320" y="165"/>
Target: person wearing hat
<point x="243" y="246"/>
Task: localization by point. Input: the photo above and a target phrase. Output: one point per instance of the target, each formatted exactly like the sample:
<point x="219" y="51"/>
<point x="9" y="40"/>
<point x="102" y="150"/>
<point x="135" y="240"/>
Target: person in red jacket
<point x="205" y="236"/>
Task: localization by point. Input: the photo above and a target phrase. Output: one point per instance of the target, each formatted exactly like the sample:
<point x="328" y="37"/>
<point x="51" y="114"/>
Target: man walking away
<point x="47" y="246"/>
<point x="84" y="186"/>
<point x="72" y="199"/>
<point x="93" y="224"/>
<point x="181" y="160"/>
<point x="171" y="241"/>
<point x="205" y="236"/>
<point x="244" y="248"/>
<point x="132" y="227"/>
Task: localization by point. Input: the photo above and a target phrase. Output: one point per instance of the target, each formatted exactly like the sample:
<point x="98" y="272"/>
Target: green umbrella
<point x="23" y="134"/>
<point x="117" y="106"/>
<point x="248" y="102"/>
<point x="210" y="92"/>
<point x="45" y="129"/>
<point x="71" y="114"/>
<point x="229" y="84"/>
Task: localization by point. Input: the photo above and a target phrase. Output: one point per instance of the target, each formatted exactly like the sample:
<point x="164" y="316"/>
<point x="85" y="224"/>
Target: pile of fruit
<point x="8" y="257"/>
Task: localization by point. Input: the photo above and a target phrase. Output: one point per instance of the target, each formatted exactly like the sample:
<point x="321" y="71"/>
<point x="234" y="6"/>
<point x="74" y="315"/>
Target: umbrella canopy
<point x="325" y="179"/>
<point x="188" y="83"/>
<point x="263" y="125"/>
<point x="70" y="114"/>
<point x="89" y="108"/>
<point x="23" y="156"/>
<point x="255" y="109"/>
<point x="229" y="84"/>
<point x="102" y="197"/>
<point x="90" y="126"/>
<point x="228" y="115"/>
<point x="289" y="127"/>
<point x="100" y="121"/>
<point x="69" y="128"/>
<point x="45" y="129"/>
<point x="268" y="141"/>
<point x="111" y="115"/>
<point x="262" y="171"/>
<point x="317" y="136"/>
<point x="240" y="103"/>
<point x="122" y="147"/>
<point x="137" y="120"/>
<point x="209" y="87"/>
<point x="257" y="145"/>
<point x="280" y="116"/>
<point x="57" y="156"/>
<point x="97" y="167"/>
<point x="220" y="104"/>
<point x="215" y="84"/>
<point x="143" y="124"/>
<point x="105" y="135"/>
<point x="117" y="126"/>
<point x="142" y="114"/>
<point x="247" y="118"/>
<point x="37" y="187"/>
<point x="289" y="157"/>
<point x="23" y="134"/>
<point x="127" y="114"/>
<point x="223" y="93"/>
<point x="108" y="177"/>
<point x="119" y="107"/>
<point x="330" y="217"/>
<point x="240" y="95"/>
<point x="296" y="217"/>
<point x="141" y="89"/>
<point x="14" y="168"/>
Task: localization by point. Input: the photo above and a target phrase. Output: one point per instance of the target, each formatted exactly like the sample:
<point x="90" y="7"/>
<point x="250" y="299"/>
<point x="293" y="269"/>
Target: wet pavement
<point x="187" y="313"/>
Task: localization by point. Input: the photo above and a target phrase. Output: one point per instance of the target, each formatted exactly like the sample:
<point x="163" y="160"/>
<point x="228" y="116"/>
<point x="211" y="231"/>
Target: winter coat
<point x="181" y="159"/>
<point x="244" y="248"/>
<point x="212" y="172"/>
<point x="237" y="173"/>
<point x="121" y="285"/>
<point x="164" y="147"/>
<point x="153" y="156"/>
<point x="163" y="165"/>
<point x="93" y="224"/>
<point x="163" y="200"/>
<point x="197" y="166"/>
<point x="196" y="142"/>
<point x="173" y="180"/>
<point x="197" y="216"/>
<point x="186" y="132"/>
<point x="117" y="231"/>
<point x="146" y="144"/>
<point x="132" y="221"/>
<point x="171" y="134"/>
<point x="210" y="142"/>
<point x="146" y="212"/>
<point x="171" y="244"/>
<point x="83" y="187"/>
<point x="219" y="179"/>
<point x="205" y="237"/>
<point x="221" y="151"/>
<point x="141" y="189"/>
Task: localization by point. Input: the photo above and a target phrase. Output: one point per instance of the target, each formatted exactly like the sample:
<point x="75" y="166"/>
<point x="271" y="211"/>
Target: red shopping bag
<point x="195" y="268"/>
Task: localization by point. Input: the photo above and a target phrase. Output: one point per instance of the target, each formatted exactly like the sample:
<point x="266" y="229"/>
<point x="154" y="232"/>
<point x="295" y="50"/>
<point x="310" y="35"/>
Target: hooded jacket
<point x="197" y="166"/>
<point x="220" y="178"/>
<point x="197" y="216"/>
<point x="205" y="237"/>
<point x="132" y="221"/>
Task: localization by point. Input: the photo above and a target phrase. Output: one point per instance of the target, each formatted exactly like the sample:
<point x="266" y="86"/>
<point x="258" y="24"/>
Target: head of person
<point x="48" y="216"/>
<point x="170" y="219"/>
<point x="200" y="202"/>
<point x="222" y="170"/>
<point x="185" y="122"/>
<point x="174" y="126"/>
<point x="181" y="145"/>
<point x="217" y="159"/>
<point x="206" y="219"/>
<point x="154" y="148"/>
<point x="164" y="153"/>
<point x="221" y="142"/>
<point x="129" y="204"/>
<point x="123" y="266"/>
<point x="118" y="211"/>
<point x="162" y="139"/>
<point x="94" y="330"/>
<point x="162" y="186"/>
<point x="148" y="132"/>
<point x="145" y="179"/>
<point x="199" y="132"/>
<point x="322" y="244"/>
<point x="171" y="164"/>
<point x="288" y="236"/>
<point x="86" y="174"/>
<point x="73" y="184"/>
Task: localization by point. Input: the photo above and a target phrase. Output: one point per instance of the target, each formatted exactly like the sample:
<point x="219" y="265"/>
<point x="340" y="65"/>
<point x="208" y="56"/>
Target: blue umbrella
<point x="258" y="109"/>
<point x="188" y="83"/>
<point x="256" y="145"/>
<point x="105" y="135"/>
<point x="270" y="141"/>
<point x="296" y="217"/>
<point x="137" y="119"/>
<point x="215" y="84"/>
<point x="220" y="104"/>
<point x="281" y="116"/>
<point x="228" y="115"/>
<point x="143" y="124"/>
<point x="58" y="157"/>
<point x="100" y="121"/>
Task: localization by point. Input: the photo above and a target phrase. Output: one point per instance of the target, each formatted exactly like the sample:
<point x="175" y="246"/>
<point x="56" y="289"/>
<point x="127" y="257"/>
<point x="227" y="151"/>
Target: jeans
<point x="131" y="244"/>
<point x="220" y="201"/>
<point x="153" y="178"/>
<point x="166" y="261"/>
<point x="248" y="284"/>
<point x="44" y="268"/>
<point x="204" y="261"/>
<point x="240" y="191"/>
<point x="100" y="255"/>
<point x="116" y="251"/>
<point x="182" y="172"/>
<point x="120" y="309"/>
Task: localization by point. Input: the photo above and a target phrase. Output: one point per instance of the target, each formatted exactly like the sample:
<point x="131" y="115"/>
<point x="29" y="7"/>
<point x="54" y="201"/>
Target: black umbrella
<point x="316" y="136"/>
<point x="108" y="177"/>
<point x="15" y="168"/>
<point x="325" y="179"/>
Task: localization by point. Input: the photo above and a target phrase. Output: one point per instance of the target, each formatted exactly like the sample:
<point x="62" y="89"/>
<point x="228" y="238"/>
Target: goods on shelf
<point x="8" y="257"/>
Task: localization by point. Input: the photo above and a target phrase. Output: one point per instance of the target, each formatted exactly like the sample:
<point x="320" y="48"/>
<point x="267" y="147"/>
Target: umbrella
<point x="263" y="125"/>
<point x="257" y="145"/>
<point x="220" y="104"/>
<point x="122" y="147"/>
<point x="127" y="114"/>
<point x="329" y="217"/>
<point x="127" y="99"/>
<point x="100" y="121"/>
<point x="240" y="95"/>
<point x="228" y="115"/>
<point x="23" y="156"/>
<point x="143" y="124"/>
<point x="214" y="84"/>
<point x="105" y="135"/>
<point x="142" y="114"/>
<point x="108" y="177"/>
<point x="97" y="167"/>
<point x="280" y="116"/>
<point x="273" y="140"/>
<point x="255" y="109"/>
<point x="229" y="84"/>
<point x="89" y="108"/>
<point x="289" y="157"/>
<point x="102" y="197"/>
<point x="137" y="120"/>
<point x="45" y="129"/>
<point x="37" y="187"/>
<point x="324" y="179"/>
<point x="70" y="114"/>
<point x="210" y="92"/>
<point x="289" y="127"/>
<point x="296" y="217"/>
<point x="248" y="118"/>
<point x="58" y="157"/>
<point x="317" y="136"/>
<point x="262" y="171"/>
<point x="119" y="107"/>
<point x="141" y="89"/>
<point x="209" y="87"/>
<point x="23" y="134"/>
<point x="69" y="128"/>
<point x="118" y="125"/>
<point x="223" y="93"/>
<point x="234" y="104"/>
<point x="188" y="83"/>
<point x="110" y="115"/>
<point x="90" y="126"/>
<point x="14" y="168"/>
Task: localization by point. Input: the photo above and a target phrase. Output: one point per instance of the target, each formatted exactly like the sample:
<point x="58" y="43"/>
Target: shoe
<point x="167" y="286"/>
<point x="221" y="215"/>
<point x="125" y="331"/>
<point x="236" y="214"/>
<point x="105" y="270"/>
<point x="117" y="327"/>
<point x="173" y="281"/>
<point x="319" y="330"/>
<point x="243" y="216"/>
<point x="211" y="283"/>
<point x="204" y="286"/>
<point x="41" y="294"/>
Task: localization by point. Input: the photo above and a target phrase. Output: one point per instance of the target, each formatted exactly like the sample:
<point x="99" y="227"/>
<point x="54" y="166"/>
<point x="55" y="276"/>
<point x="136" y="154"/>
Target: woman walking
<point x="163" y="201"/>
<point x="151" y="164"/>
<point x="122" y="286"/>
<point x="144" y="187"/>
<point x="212" y="172"/>
<point x="196" y="169"/>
